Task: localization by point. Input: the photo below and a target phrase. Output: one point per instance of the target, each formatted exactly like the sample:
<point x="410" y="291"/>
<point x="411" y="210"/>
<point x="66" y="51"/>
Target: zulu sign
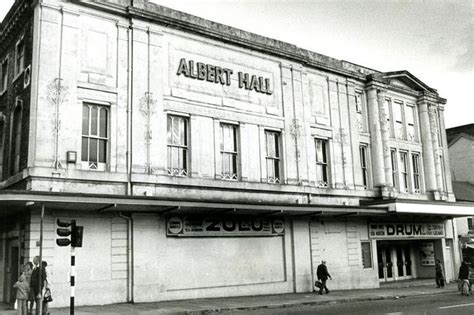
<point x="223" y="76"/>
<point x="406" y="230"/>
<point x="219" y="226"/>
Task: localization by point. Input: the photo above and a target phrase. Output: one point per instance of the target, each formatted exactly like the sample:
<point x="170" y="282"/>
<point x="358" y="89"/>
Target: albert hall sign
<point x="216" y="74"/>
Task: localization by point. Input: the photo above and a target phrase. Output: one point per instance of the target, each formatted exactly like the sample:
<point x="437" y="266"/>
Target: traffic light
<point x="76" y="237"/>
<point x="75" y="232"/>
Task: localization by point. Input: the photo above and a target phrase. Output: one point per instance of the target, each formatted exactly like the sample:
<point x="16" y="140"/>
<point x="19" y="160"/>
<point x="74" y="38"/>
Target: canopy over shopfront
<point x="14" y="201"/>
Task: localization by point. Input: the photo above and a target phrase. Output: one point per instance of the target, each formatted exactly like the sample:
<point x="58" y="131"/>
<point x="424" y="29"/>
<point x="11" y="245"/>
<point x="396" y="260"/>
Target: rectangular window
<point x="360" y="111"/>
<point x="411" y="120"/>
<point x="398" y="117"/>
<point x="95" y="124"/>
<point x="415" y="161"/>
<point x="388" y="114"/>
<point x="177" y="140"/>
<point x="470" y="224"/>
<point x="229" y="151"/>
<point x="322" y="172"/>
<point x="20" y="56"/>
<point x="4" y="77"/>
<point x="364" y="165"/>
<point x="393" y="159"/>
<point x="273" y="156"/>
<point x="366" y="255"/>
<point x="403" y="172"/>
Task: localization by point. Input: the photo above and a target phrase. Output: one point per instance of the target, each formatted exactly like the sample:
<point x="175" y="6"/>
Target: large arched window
<point x="16" y="139"/>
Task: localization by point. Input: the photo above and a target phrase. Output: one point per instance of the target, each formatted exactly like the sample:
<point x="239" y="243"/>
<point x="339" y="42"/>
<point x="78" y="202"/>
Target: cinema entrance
<point x="407" y="250"/>
<point x="394" y="261"/>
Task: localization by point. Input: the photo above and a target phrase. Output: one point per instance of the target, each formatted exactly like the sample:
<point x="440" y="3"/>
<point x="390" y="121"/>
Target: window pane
<point x="184" y="159"/>
<point x="323" y="151"/>
<point x="277" y="145"/>
<point x="184" y="136"/>
<point x="103" y="123"/>
<point x="85" y="120"/>
<point x="276" y="173"/>
<point x="234" y="164"/>
<point x="93" y="150"/>
<point x="102" y="151"/>
<point x="234" y="138"/>
<point x="269" y="168"/>
<point x="85" y="149"/>
<point x="170" y="128"/>
<point x="319" y="150"/>
<point x="175" y="131"/>
<point x="94" y="114"/>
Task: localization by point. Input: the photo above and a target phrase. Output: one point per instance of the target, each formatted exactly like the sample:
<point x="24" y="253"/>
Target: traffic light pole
<point x="76" y="241"/>
<point x="73" y="279"/>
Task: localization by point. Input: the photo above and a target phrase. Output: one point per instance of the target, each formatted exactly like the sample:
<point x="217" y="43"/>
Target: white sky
<point x="432" y="39"/>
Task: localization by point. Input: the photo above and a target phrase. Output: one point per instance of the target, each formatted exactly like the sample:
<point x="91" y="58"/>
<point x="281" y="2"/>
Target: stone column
<point x="427" y="145"/>
<point x="433" y="114"/>
<point x="376" y="147"/>
<point x="385" y="131"/>
<point x="447" y="165"/>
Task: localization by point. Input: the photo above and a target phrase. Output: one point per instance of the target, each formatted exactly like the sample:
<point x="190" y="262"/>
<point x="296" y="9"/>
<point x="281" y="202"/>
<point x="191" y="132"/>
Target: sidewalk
<point x="198" y="306"/>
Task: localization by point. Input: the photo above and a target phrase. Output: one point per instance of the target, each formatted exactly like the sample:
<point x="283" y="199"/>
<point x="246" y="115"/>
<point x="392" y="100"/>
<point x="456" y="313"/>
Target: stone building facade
<point x="205" y="161"/>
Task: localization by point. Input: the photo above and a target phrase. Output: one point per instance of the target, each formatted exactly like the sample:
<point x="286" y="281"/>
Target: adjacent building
<point x="461" y="149"/>
<point x="205" y="161"/>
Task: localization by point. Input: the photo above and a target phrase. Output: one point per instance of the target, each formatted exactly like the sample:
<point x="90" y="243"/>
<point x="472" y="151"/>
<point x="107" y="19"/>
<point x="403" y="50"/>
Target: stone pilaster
<point x="433" y="115"/>
<point x="385" y="132"/>
<point x="376" y="146"/>
<point x="427" y="145"/>
<point x="447" y="164"/>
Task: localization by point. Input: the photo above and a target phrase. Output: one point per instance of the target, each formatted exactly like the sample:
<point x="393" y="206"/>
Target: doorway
<point x="11" y="270"/>
<point x="394" y="261"/>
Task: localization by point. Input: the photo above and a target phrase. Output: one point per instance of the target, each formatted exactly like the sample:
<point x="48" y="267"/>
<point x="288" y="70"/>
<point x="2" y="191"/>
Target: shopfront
<point x="408" y="250"/>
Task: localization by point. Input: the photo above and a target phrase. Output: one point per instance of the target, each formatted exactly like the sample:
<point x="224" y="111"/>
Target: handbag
<point x="47" y="296"/>
<point x="318" y="284"/>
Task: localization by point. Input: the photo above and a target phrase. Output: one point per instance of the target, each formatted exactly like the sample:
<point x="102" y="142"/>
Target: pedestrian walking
<point x="464" y="278"/>
<point x="38" y="280"/>
<point x="22" y="289"/>
<point x="323" y="275"/>
<point x="439" y="274"/>
<point x="47" y="292"/>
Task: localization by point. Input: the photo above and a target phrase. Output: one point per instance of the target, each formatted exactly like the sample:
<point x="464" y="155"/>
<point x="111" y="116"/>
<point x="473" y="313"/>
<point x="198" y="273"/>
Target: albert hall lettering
<point x="219" y="75"/>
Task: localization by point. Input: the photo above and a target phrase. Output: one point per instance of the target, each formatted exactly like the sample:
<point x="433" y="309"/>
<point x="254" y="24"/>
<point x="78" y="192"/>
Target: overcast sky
<point x="434" y="40"/>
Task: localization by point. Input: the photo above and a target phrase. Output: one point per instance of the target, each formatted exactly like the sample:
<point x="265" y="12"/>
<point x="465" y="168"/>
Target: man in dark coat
<point x="323" y="275"/>
<point x="38" y="278"/>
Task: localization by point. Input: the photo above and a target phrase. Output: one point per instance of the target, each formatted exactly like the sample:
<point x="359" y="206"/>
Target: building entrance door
<point x="394" y="262"/>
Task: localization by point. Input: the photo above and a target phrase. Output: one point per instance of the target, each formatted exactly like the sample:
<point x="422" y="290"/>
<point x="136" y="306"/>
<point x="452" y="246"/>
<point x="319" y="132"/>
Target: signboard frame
<point x="395" y="231"/>
<point x="223" y="226"/>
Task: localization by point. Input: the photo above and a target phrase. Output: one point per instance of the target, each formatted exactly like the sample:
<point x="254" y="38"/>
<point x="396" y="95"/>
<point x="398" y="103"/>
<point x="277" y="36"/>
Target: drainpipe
<point x="129" y="192"/>
<point x="129" y="108"/>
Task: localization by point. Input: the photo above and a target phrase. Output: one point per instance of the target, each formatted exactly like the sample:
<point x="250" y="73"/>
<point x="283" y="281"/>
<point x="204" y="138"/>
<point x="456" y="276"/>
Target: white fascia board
<point x="447" y="209"/>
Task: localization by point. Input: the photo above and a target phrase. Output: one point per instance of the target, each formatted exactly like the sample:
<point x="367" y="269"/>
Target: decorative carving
<point x="57" y="95"/>
<point x="341" y="136"/>
<point x="147" y="106"/>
